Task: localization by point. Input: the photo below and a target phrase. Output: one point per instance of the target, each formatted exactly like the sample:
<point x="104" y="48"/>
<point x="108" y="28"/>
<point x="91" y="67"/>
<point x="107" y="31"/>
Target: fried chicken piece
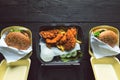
<point x="63" y="39"/>
<point x="73" y="31"/>
<point x="18" y="40"/>
<point x="70" y="44"/>
<point x="71" y="40"/>
<point x="49" y="34"/>
<point x="54" y="40"/>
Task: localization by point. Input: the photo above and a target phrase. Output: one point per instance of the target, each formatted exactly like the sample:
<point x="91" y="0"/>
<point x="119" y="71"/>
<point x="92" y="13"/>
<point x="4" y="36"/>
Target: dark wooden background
<point x="36" y="13"/>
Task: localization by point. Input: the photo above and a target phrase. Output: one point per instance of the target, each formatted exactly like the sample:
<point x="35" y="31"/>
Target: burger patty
<point x="109" y="37"/>
<point x="18" y="40"/>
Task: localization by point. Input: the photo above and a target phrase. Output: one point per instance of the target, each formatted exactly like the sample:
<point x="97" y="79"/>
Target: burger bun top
<point x="108" y="36"/>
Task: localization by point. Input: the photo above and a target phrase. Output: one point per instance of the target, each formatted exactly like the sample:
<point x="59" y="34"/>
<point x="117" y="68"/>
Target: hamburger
<point x="18" y="39"/>
<point x="107" y="36"/>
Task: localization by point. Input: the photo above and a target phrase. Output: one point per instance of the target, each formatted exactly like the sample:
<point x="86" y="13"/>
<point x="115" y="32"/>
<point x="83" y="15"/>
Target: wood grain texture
<point x="60" y="10"/>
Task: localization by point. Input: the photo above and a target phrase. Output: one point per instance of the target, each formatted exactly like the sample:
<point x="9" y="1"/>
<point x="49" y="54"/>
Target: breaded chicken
<point x="62" y="39"/>
<point x="18" y="40"/>
<point x="73" y="30"/>
<point x="54" y="40"/>
<point x="49" y="34"/>
<point x="71" y="40"/>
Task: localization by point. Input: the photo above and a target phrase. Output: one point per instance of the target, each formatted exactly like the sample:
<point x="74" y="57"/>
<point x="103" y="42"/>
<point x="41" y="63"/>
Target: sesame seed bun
<point x="108" y="36"/>
<point x="18" y="40"/>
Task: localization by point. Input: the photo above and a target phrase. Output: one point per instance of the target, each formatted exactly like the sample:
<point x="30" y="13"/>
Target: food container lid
<point x="106" y="68"/>
<point x="15" y="70"/>
<point x="9" y="28"/>
<point x="57" y="60"/>
<point x="99" y="27"/>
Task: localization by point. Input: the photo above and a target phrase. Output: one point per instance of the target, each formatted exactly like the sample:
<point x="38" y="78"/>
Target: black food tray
<point x="57" y="61"/>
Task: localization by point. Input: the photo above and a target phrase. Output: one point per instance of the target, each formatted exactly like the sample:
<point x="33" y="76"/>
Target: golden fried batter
<point x="54" y="40"/>
<point x="64" y="41"/>
<point x="73" y="30"/>
<point x="49" y="34"/>
<point x="18" y="40"/>
<point x="71" y="40"/>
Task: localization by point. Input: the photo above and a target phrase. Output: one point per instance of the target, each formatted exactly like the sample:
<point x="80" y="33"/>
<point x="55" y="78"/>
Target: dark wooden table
<point x="36" y="13"/>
